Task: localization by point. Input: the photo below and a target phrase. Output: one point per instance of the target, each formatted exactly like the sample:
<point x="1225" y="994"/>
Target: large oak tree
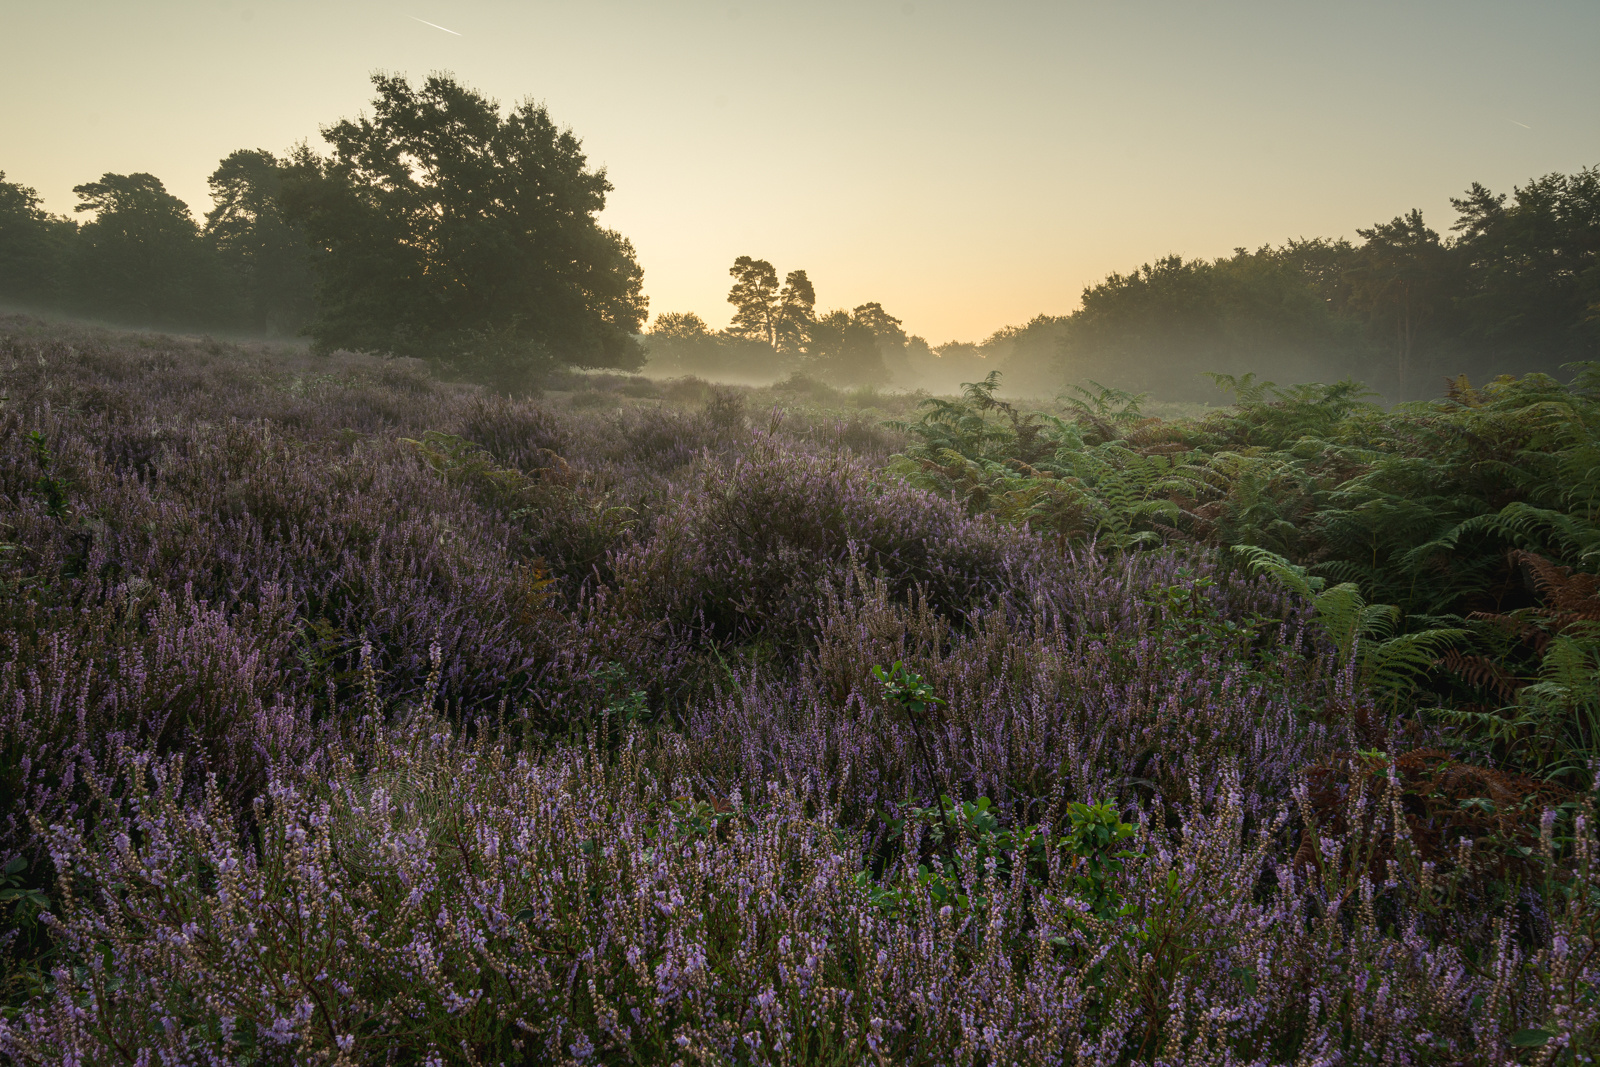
<point x="444" y="228"/>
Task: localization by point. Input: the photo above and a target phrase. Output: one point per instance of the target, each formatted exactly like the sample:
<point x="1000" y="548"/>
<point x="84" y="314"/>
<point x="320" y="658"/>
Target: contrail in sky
<point x="1524" y="125"/>
<point x="435" y="25"/>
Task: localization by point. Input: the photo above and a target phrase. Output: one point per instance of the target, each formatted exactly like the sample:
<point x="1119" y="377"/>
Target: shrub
<point x="453" y="903"/>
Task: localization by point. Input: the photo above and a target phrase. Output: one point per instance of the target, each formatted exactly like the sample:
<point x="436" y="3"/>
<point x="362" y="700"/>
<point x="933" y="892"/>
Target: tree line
<point x="444" y="227"/>
<point x="439" y="226"/>
<point x="140" y="256"/>
<point x="1513" y="288"/>
<point x="777" y="330"/>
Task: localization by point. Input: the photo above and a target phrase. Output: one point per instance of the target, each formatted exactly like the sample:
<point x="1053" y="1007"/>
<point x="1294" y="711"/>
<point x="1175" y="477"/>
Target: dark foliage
<point x="446" y="230"/>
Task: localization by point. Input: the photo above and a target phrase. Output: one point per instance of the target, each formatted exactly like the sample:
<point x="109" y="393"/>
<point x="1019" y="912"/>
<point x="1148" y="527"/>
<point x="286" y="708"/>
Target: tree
<point x="445" y="229"/>
<point x="1324" y="263"/>
<point x="1169" y="322"/>
<point x="884" y="326"/>
<point x="1401" y="282"/>
<point x="796" y="312"/>
<point x="33" y="246"/>
<point x="755" y="299"/>
<point x="681" y="327"/>
<point x="888" y="337"/>
<point x="843" y="349"/>
<point x="1532" y="270"/>
<point x="682" y="343"/>
<point x="267" y="256"/>
<point x="763" y="312"/>
<point x="141" y="259"/>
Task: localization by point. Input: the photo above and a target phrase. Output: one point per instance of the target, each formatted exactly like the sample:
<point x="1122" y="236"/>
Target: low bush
<point x="444" y="901"/>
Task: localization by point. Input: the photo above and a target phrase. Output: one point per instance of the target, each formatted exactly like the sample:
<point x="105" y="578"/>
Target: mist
<point x="1512" y="288"/>
<point x="1507" y="284"/>
<point x="973" y="547"/>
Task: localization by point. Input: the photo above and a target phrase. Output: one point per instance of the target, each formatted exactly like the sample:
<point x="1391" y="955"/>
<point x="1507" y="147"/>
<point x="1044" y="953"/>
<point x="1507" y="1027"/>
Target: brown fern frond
<point x="1515" y="625"/>
<point x="1573" y="597"/>
<point x="1163" y="448"/>
<point x="559" y="472"/>
<point x="1444" y="800"/>
<point x="1153" y="432"/>
<point x="1169" y="533"/>
<point x="1028" y="471"/>
<point x="1483" y="672"/>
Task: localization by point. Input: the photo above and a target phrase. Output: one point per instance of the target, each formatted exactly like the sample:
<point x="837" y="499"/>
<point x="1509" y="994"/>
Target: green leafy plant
<point x="1094" y="835"/>
<point x="49" y="487"/>
<point x="15" y="891"/>
<point x="907" y="689"/>
<point x="1391" y="663"/>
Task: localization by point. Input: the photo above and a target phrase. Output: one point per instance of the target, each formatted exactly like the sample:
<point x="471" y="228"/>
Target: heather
<point x="351" y="716"/>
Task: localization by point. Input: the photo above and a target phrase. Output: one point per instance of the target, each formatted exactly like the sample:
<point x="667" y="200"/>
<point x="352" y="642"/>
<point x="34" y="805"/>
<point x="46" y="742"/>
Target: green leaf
<point x="1529" y="1038"/>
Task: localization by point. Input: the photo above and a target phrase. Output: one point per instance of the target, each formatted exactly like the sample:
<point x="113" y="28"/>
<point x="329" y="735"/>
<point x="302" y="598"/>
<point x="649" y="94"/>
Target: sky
<point x="967" y="165"/>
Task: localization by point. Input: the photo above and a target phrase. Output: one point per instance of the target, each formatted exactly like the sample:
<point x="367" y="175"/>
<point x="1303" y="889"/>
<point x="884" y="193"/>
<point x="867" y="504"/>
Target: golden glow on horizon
<point x="968" y="167"/>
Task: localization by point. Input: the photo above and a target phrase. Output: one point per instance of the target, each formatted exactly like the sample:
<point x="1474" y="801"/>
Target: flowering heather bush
<point x="1098" y="687"/>
<point x="347" y="716"/>
<point x="754" y="548"/>
<point x="451" y="902"/>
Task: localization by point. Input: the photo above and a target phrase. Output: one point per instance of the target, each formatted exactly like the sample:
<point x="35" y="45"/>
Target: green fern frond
<point x="1395" y="667"/>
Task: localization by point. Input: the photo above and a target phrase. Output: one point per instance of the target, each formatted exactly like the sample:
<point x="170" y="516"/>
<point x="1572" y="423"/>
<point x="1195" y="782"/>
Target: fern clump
<point x="1415" y="532"/>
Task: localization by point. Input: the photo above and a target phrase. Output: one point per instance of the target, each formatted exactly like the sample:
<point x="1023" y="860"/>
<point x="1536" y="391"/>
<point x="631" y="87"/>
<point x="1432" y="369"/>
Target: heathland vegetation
<point x="421" y="699"/>
<point x="351" y="716"/>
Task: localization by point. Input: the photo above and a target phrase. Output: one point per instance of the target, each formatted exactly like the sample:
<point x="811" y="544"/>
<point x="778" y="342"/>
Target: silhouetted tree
<point x="34" y="246"/>
<point x="797" y="306"/>
<point x="267" y="256"/>
<point x="141" y="258"/>
<point x="887" y="334"/>
<point x="1169" y="322"/>
<point x="763" y="312"/>
<point x="755" y="300"/>
<point x="682" y="343"/>
<point x="1401" y="282"/>
<point x="1531" y="270"/>
<point x="884" y="326"/>
<point x="843" y="349"/>
<point x="1325" y="264"/>
<point x="445" y="229"/>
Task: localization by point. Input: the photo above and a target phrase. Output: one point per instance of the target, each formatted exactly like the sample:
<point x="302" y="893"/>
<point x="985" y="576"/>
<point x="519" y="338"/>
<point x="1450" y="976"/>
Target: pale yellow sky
<point x="967" y="165"/>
